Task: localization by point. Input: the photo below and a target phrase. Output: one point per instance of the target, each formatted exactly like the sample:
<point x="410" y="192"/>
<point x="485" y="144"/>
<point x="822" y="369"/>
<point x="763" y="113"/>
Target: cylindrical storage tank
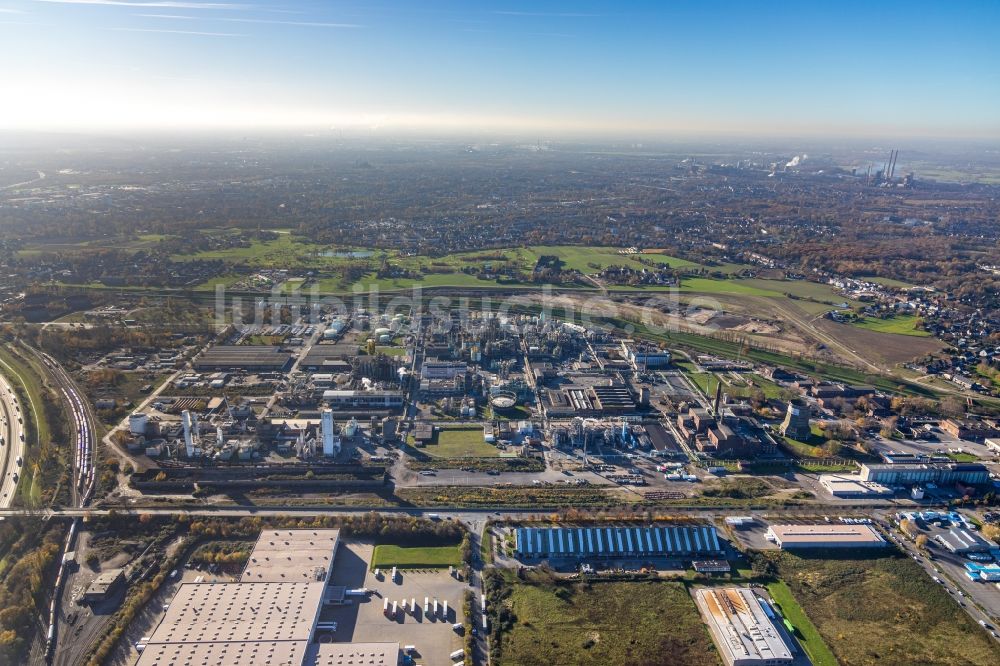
<point x="137" y="423"/>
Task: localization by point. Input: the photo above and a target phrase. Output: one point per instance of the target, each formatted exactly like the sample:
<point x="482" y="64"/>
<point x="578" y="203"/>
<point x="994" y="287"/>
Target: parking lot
<point x="364" y="620"/>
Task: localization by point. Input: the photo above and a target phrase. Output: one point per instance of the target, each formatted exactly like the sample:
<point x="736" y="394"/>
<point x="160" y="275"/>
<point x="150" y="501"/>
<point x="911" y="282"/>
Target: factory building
<point x="931" y="472"/>
<point x="442" y="369"/>
<point x="850" y="486"/>
<point x="243" y="357"/>
<point x="363" y="400"/>
<point x="789" y="537"/>
<point x="266" y="618"/>
<point x="643" y="357"/>
<point x="573" y="400"/>
<point x="612" y="542"/>
<point x="106" y="584"/>
<point x="743" y="627"/>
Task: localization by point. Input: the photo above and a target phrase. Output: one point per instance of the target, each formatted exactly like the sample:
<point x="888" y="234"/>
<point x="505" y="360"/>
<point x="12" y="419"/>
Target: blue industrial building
<point x="612" y="542"/>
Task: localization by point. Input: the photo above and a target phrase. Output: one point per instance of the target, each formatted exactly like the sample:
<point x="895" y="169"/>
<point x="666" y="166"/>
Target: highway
<point x="12" y="434"/>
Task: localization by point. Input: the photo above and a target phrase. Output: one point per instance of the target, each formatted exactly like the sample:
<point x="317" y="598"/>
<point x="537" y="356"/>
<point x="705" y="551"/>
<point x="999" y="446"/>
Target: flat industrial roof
<point x="852" y="484"/>
<point x="352" y="654"/>
<point x="962" y="540"/>
<point x="291" y="556"/>
<point x="105" y="581"/>
<point x="245" y="653"/>
<point x="833" y="533"/>
<point x="616" y="541"/>
<point x="235" y="612"/>
<point x="661" y="438"/>
<point x="318" y="354"/>
<point x="267" y="618"/>
<point x="248" y="355"/>
<point x="741" y="628"/>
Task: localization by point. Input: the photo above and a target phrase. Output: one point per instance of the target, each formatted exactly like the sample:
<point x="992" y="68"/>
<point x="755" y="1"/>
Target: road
<point x="109" y="438"/>
<point x="12" y="434"/>
<point x="14" y="186"/>
<point x="806" y="325"/>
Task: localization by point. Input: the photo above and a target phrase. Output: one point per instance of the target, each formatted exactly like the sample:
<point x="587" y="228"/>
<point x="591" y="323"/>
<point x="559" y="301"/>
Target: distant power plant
<point x="887" y="174"/>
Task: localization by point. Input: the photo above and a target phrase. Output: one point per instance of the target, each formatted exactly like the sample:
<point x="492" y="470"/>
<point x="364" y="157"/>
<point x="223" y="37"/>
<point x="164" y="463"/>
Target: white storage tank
<point x="137" y="423"/>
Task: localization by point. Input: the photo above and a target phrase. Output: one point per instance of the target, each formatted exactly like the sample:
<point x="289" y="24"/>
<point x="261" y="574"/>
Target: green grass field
<point x="17" y="372"/>
<point x="140" y="242"/>
<point x="804" y="449"/>
<point x="584" y="259"/>
<point x="290" y="251"/>
<point x="806" y="632"/>
<point x="606" y="623"/>
<point x="963" y="457"/>
<point x="874" y="608"/>
<point x="899" y="324"/>
<point x="828" y="371"/>
<point x="391" y="351"/>
<point x="737" y="287"/>
<point x="25" y="377"/>
<point x="708" y="381"/>
<point x="405" y="557"/>
<point x="460" y="443"/>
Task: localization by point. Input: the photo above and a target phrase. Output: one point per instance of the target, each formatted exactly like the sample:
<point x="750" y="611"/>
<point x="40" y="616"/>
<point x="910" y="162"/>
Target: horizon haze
<point x="553" y="68"/>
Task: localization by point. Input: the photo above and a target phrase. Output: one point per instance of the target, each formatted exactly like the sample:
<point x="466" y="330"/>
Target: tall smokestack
<point x="327" y="430"/>
<point x="718" y="397"/>
<point x="188" y="437"/>
<point x="892" y="171"/>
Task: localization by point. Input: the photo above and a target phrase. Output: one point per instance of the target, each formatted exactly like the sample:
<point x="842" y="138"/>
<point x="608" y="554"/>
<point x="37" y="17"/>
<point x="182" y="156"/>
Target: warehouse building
<point x="267" y="617"/>
<point x="962" y="541"/>
<point x="850" y="486"/>
<point x="744" y="633"/>
<point x="291" y="555"/>
<point x="615" y="542"/>
<point x="250" y="358"/>
<point x="824" y="536"/>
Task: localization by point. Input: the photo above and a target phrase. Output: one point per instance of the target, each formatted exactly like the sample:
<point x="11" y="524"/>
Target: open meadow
<point x="648" y="623"/>
<point x="873" y="608"/>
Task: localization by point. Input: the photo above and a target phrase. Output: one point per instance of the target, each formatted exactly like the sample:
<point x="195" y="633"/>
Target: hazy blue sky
<point x="876" y="67"/>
